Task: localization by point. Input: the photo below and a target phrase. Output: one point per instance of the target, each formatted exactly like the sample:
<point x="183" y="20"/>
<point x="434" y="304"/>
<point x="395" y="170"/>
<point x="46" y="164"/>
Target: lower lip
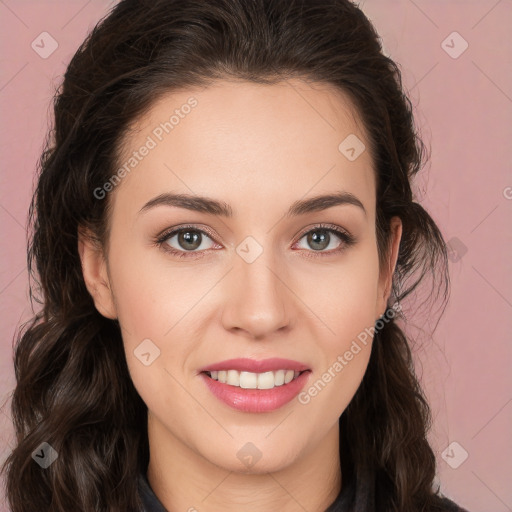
<point x="256" y="400"/>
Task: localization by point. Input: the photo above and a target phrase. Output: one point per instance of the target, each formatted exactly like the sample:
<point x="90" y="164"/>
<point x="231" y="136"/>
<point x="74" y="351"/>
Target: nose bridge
<point x="257" y="298"/>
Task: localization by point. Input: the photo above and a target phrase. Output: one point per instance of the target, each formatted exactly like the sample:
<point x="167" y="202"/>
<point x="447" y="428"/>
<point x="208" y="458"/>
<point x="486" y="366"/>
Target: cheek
<point x="343" y="295"/>
<point x="334" y="384"/>
<point x="152" y="297"/>
<point x="147" y="310"/>
<point x="158" y="307"/>
<point x="346" y="304"/>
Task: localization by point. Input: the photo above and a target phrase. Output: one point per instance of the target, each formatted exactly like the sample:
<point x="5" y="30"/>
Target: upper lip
<point x="255" y="366"/>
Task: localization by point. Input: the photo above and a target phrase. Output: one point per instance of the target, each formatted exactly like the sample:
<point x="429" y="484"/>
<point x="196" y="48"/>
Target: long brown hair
<point x="73" y="387"/>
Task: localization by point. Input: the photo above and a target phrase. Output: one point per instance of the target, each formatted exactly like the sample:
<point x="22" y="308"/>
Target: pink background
<point x="463" y="108"/>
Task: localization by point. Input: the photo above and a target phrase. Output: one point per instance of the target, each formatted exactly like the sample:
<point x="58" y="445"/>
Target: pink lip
<point x="251" y="365"/>
<point x="256" y="400"/>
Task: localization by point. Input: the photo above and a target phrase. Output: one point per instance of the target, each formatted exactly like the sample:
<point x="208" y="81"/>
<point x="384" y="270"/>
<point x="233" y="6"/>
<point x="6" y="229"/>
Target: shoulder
<point x="444" y="504"/>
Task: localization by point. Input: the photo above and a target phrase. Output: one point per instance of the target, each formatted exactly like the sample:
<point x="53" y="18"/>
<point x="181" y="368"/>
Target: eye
<point x="320" y="240"/>
<point x="185" y="240"/>
<point x="190" y="241"/>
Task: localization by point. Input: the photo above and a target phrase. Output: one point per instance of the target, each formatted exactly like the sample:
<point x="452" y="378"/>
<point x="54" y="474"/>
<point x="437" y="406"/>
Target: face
<point x="259" y="271"/>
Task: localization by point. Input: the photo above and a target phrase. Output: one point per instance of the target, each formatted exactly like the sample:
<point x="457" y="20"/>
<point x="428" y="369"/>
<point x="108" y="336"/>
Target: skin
<point x="258" y="148"/>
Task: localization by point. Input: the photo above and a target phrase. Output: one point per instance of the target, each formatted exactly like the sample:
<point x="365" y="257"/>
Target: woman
<point x="224" y="234"/>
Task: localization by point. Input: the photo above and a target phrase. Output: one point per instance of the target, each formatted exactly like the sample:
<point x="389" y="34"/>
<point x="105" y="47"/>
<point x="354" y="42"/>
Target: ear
<point x="94" y="270"/>
<point x="386" y="276"/>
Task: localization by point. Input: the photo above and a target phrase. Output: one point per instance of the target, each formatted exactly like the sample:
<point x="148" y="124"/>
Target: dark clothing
<point x="346" y="501"/>
<point x="149" y="500"/>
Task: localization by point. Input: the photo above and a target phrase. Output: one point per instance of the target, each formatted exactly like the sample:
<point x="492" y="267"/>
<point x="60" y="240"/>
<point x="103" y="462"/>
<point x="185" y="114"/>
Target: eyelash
<point x="346" y="238"/>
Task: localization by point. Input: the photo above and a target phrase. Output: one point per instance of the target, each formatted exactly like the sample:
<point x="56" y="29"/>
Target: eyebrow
<point x="220" y="208"/>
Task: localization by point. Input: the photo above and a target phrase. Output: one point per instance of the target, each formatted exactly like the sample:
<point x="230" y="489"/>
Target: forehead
<point x="242" y="139"/>
<point x="302" y="108"/>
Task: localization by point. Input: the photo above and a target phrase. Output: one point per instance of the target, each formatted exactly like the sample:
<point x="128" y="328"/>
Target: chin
<point x="250" y="460"/>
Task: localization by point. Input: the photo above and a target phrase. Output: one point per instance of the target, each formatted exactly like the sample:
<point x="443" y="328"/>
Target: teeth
<point x="249" y="380"/>
<point x="279" y="378"/>
<point x="266" y="380"/>
<point x="233" y="378"/>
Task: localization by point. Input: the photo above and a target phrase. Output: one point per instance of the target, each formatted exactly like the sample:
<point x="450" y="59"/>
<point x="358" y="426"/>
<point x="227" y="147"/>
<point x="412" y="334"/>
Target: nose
<point x="257" y="300"/>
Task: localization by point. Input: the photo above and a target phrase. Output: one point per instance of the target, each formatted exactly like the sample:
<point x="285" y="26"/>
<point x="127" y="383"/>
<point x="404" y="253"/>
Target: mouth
<point x="248" y="385"/>
<point x="251" y="385"/>
<point x="253" y="380"/>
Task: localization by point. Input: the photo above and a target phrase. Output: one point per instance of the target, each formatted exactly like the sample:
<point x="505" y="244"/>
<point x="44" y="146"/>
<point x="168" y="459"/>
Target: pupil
<point x="322" y="240"/>
<point x="189" y="239"/>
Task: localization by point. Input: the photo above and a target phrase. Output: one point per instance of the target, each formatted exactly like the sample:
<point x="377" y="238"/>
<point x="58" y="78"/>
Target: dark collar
<point x="149" y="501"/>
<point x="152" y="504"/>
<point x="343" y="502"/>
